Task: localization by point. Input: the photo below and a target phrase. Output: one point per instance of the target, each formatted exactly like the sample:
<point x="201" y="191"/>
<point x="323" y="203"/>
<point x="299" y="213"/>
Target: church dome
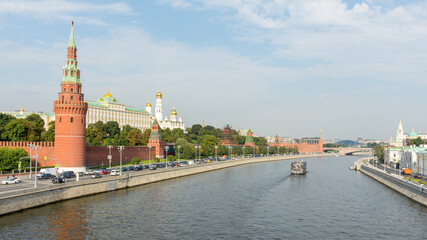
<point x="159" y="95"/>
<point x="173" y="112"/>
<point x="413" y="134"/>
<point x="108" y="94"/>
<point x="148" y="104"/>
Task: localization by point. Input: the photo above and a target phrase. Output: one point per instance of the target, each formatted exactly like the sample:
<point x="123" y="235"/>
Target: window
<point x="62" y="98"/>
<point x="71" y="98"/>
<point x="60" y="119"/>
<point x="71" y="89"/>
<point x="65" y="89"/>
<point x="72" y="119"/>
<point x="82" y="120"/>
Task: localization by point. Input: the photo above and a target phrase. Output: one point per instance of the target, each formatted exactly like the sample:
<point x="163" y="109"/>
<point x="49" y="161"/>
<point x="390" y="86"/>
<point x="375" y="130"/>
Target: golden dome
<point x="173" y="112"/>
<point x="108" y="94"/>
<point x="159" y="95"/>
<point x="148" y="104"/>
<point x="22" y="110"/>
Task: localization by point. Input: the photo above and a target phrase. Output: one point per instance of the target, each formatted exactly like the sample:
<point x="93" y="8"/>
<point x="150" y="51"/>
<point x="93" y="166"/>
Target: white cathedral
<point x="171" y="123"/>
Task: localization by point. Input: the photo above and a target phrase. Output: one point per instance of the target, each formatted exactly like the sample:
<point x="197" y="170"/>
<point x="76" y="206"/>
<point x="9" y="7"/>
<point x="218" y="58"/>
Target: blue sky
<point x="292" y="67"/>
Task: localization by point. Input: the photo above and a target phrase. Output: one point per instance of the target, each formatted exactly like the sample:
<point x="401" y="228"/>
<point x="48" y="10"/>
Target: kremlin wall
<point x="69" y="149"/>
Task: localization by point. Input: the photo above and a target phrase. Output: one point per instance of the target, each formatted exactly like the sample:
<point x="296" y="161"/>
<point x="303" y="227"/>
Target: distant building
<point x="47" y="117"/>
<point x="227" y="137"/>
<point x="172" y="122"/>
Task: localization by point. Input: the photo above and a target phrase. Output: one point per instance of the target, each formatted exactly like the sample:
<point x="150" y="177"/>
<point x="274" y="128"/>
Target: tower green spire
<point x="72" y="42"/>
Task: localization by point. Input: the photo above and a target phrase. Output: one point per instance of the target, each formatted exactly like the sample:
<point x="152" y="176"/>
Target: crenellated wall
<point x="98" y="155"/>
<point x="302" y="147"/>
<point x="46" y="150"/>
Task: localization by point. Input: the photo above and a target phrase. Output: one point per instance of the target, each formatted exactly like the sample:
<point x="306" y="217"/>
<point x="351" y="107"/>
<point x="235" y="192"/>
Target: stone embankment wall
<point x="412" y="190"/>
<point x="41" y="196"/>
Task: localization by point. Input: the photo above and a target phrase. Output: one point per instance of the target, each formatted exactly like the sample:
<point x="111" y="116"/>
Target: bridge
<point x="349" y="151"/>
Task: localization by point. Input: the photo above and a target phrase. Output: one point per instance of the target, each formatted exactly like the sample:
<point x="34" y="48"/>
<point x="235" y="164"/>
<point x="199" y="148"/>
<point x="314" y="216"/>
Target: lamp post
<point x="243" y="151"/>
<point x="149" y="155"/>
<point x="268" y="150"/>
<point x="31" y="171"/>
<point x="200" y="152"/>
<point x="277" y="150"/>
<point x="229" y="151"/>
<point x="36" y="156"/>
<point x="195" y="153"/>
<point x="121" y="156"/>
<point x="110" y="157"/>
<point x="167" y="149"/>
<point x="216" y="156"/>
<point x="178" y="151"/>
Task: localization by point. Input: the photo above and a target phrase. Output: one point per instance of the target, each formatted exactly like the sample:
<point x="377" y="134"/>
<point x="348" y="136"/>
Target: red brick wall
<point x="47" y="149"/>
<point x="302" y="147"/>
<point x="97" y="156"/>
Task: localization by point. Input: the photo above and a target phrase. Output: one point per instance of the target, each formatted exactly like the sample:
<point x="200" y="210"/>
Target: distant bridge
<point x="349" y="151"/>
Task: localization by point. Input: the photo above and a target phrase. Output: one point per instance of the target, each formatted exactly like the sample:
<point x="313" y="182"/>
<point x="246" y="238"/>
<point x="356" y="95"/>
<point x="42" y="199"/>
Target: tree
<point x="185" y="149"/>
<point x="134" y="137"/>
<point x="171" y="158"/>
<point x="93" y="137"/>
<point x="4" y="120"/>
<point x="195" y="129"/>
<point x="260" y="141"/>
<point x="378" y="152"/>
<point x="208" y="145"/>
<point x="35" y="125"/>
<point x="50" y="134"/>
<point x="16" y="130"/>
<point x="146" y="137"/>
<point x="417" y="141"/>
<point x="9" y="157"/>
<point x="135" y="160"/>
<point x="112" y="128"/>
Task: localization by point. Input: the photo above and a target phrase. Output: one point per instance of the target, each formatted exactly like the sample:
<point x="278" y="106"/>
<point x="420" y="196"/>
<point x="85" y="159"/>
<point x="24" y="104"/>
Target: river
<point x="258" y="201"/>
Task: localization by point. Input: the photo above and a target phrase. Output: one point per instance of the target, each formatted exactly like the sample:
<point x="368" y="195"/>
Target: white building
<point x="393" y="155"/>
<point x="172" y="122"/>
<point x="108" y="108"/>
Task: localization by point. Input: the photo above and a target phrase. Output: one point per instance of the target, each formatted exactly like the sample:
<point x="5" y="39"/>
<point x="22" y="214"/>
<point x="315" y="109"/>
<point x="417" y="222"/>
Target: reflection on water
<point x="247" y="202"/>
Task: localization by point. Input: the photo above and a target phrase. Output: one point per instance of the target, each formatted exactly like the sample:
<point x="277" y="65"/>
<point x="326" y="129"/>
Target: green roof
<point x="95" y="104"/>
<point x="72" y="42"/>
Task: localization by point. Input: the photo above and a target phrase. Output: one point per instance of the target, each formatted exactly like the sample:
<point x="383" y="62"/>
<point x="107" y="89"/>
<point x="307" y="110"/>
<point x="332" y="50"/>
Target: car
<point x="124" y="169"/>
<point x="56" y="181"/>
<point x="115" y="172"/>
<point x="89" y="172"/>
<point x="68" y="174"/>
<point x="11" y="180"/>
<point x="153" y="167"/>
<point x="146" y="166"/>
<point x="103" y="172"/>
<point x="406" y="171"/>
<point x="45" y="176"/>
<point x="96" y="175"/>
<point x="131" y="168"/>
<point x="139" y="168"/>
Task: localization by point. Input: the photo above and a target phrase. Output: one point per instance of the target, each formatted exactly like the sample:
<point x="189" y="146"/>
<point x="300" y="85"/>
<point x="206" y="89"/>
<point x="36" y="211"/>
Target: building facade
<point x="108" y="108"/>
<point x="172" y="122"/>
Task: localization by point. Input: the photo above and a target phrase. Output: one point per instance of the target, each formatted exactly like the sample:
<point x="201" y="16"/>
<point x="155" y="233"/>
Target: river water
<point x="258" y="201"/>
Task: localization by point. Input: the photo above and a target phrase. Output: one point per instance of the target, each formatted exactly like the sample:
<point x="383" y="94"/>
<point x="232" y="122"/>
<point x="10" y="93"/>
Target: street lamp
<point x="243" y="151"/>
<point x="277" y="150"/>
<point x="121" y="156"/>
<point x="149" y="155"/>
<point x="195" y="153"/>
<point x="109" y="154"/>
<point x="268" y="150"/>
<point x="36" y="156"/>
<point x="167" y="149"/>
<point x="178" y="151"/>
<point x="31" y="171"/>
<point x="216" y="156"/>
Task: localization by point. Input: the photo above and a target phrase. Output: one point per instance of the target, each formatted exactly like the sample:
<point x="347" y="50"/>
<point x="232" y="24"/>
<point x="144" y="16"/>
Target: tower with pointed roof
<point x="70" y="115"/>
<point x="400" y="137"/>
<point x="159" y="107"/>
<point x="155" y="139"/>
<point x="249" y="139"/>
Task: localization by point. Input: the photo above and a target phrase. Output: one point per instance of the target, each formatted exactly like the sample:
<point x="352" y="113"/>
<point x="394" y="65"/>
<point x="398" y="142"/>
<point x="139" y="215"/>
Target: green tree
<point x="112" y="128"/>
<point x="93" y="137"/>
<point x="186" y="149"/>
<point x="35" y="125"/>
<point x="146" y="137"/>
<point x="260" y="141"/>
<point x="135" y="137"/>
<point x="9" y="157"/>
<point x="208" y="145"/>
<point x="49" y="136"/>
<point x="171" y="158"/>
<point x="4" y="120"/>
<point x="378" y="152"/>
<point x="16" y="130"/>
<point x="417" y="141"/>
<point x="135" y="160"/>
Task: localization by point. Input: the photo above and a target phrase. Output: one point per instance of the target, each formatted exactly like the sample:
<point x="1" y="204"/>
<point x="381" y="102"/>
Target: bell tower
<point x="70" y="115"/>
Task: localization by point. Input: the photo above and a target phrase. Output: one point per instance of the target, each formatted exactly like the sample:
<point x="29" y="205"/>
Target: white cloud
<point x="49" y="10"/>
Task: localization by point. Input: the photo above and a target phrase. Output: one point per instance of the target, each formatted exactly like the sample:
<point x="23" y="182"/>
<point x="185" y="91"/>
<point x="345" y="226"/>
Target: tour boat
<point x="298" y="167"/>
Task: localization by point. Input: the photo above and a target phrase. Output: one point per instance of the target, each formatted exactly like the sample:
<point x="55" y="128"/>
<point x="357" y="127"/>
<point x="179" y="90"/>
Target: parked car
<point x="153" y="167"/>
<point x="139" y="168"/>
<point x="146" y="166"/>
<point x="56" y="181"/>
<point x="124" y="169"/>
<point x="131" y="168"/>
<point x="89" y="172"/>
<point x="103" y="172"/>
<point x="68" y="174"/>
<point x="45" y="176"/>
<point x="11" y="180"/>
<point x="96" y="175"/>
<point x="406" y="171"/>
<point x="115" y="172"/>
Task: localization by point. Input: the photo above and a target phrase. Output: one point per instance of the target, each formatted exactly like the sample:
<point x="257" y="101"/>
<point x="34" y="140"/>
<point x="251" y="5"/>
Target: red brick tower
<point x="70" y="115"/>
<point x="249" y="139"/>
<point x="156" y="140"/>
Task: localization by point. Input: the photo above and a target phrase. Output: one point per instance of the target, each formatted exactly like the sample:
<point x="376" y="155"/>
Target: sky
<point x="289" y="67"/>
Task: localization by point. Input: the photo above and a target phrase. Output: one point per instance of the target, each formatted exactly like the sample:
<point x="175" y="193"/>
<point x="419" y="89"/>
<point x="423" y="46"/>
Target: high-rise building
<point x="70" y="113"/>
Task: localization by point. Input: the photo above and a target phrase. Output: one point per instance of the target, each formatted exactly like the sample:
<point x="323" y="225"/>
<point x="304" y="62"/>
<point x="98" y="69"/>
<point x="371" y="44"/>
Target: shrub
<point x="171" y="158"/>
<point x="135" y="160"/>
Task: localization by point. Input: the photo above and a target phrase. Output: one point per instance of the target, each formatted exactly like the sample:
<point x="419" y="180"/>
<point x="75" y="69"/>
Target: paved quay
<point x="29" y="197"/>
